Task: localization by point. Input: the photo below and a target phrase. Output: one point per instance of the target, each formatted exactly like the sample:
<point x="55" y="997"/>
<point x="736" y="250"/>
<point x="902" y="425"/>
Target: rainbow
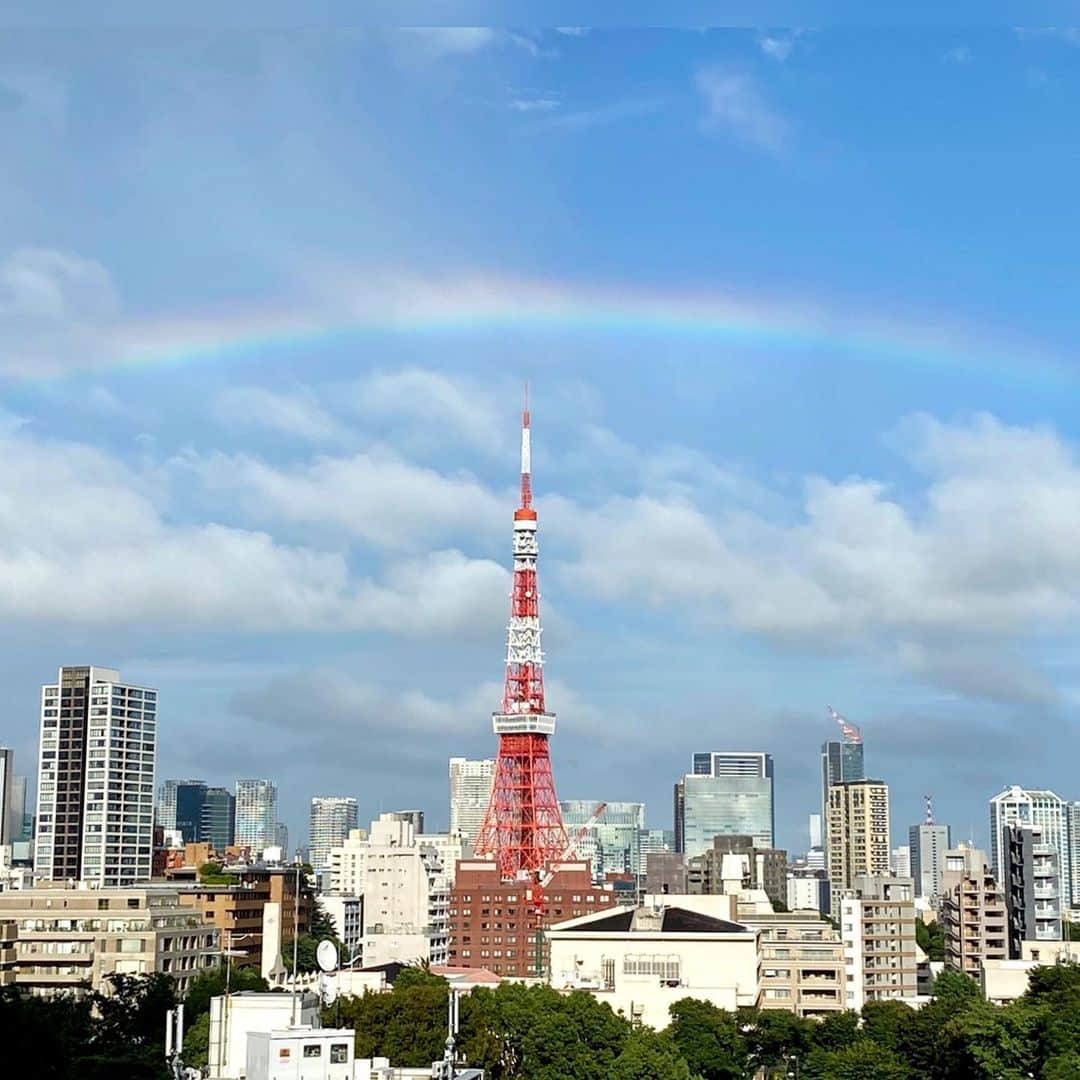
<point x="468" y="305"/>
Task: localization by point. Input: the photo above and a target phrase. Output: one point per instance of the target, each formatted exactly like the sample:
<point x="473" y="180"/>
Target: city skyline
<point x="801" y="393"/>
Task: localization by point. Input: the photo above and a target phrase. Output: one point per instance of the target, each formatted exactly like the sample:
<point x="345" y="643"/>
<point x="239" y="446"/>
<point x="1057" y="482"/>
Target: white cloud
<point x="572" y="31"/>
<point x="534" y="104"/>
<point x="959" y="54"/>
<point x="450" y="40"/>
<point x="609" y="113"/>
<point x="736" y="104"/>
<point x="297" y="413"/>
<point x="776" y="47"/>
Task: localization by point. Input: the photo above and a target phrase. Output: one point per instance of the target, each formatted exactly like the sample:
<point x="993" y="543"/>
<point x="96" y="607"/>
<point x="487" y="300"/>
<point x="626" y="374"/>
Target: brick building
<point x="492" y="922"/>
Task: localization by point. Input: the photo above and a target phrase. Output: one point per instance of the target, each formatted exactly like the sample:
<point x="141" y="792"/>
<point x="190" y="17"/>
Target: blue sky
<point x="798" y="312"/>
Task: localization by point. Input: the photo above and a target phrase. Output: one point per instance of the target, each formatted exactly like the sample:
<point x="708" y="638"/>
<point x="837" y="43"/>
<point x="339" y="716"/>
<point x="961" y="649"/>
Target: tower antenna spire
<point x="526" y="455"/>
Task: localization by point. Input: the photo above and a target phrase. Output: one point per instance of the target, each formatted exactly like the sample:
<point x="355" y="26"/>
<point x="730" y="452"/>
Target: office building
<point x="665" y="873"/>
<point x="72" y="938"/>
<point x="858" y="834"/>
<point x="877" y="927"/>
<point x="493" y="923"/>
<point x="256" y="815"/>
<point x="901" y="861"/>
<point x="973" y="912"/>
<point x="764" y="868"/>
<point x="7" y="777"/>
<point x="1072" y="819"/>
<point x="190" y="799"/>
<point x="841" y="762"/>
<point x="281" y="840"/>
<point x="406" y="901"/>
<point x="332" y="818"/>
<point x="610" y="843"/>
<point x="1033" y="806"/>
<point x="95" y="817"/>
<point x="22" y="822"/>
<point x="642" y="960"/>
<point x="1031" y="885"/>
<point x="927" y="844"/>
<point x="652" y="842"/>
<point x="217" y="824"/>
<point x="735" y="797"/>
<point x="470" y="793"/>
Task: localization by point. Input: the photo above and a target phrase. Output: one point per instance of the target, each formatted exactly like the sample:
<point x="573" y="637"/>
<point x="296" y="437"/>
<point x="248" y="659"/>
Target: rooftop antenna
<point x="929" y="809"/>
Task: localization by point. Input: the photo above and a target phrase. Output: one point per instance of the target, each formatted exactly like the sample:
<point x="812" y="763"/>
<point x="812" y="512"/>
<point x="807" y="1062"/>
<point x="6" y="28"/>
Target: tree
<point x="210" y="873"/>
<point x="862" y="1060"/>
<point x="837" y="1031"/>
<point x="887" y="1023"/>
<point x="648" y="1056"/>
<point x="930" y="937"/>
<point x="211" y="983"/>
<point x="710" y="1041"/>
<point x="1054" y="980"/>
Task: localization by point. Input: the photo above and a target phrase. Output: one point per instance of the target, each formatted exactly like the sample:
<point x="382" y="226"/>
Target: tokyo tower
<point x="523" y="828"/>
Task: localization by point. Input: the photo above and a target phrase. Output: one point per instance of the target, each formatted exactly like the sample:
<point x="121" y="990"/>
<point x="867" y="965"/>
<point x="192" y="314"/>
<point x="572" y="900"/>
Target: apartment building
<point x="858" y="834"/>
<point x="9" y="933"/>
<point x="877" y="927"/>
<point x="973" y="912"/>
<point x="1032" y="885"/>
<point x="71" y="939"/>
<point x="766" y="867"/>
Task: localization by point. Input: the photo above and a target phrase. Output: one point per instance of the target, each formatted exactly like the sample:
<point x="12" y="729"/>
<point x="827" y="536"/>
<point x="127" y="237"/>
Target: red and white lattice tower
<point x="523" y="828"/>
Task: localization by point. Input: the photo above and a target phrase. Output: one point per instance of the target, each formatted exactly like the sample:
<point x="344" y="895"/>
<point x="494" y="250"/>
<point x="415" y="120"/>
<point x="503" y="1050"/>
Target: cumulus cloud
<point x="736" y="104"/>
<point x="296" y="413"/>
<point x="450" y="40"/>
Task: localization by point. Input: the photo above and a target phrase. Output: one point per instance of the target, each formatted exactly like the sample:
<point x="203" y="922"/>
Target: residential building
<point x="238" y="908"/>
<point x="414" y="817"/>
<point x="927" y="846"/>
<point x="9" y="936"/>
<point x="735" y="797"/>
<point x="281" y="840"/>
<point x="347" y="915"/>
<point x="493" y="923"/>
<point x="665" y="872"/>
<point x="256" y="814"/>
<point x="858" y="834"/>
<point x="347" y="864"/>
<point x="807" y="889"/>
<point x="7" y="816"/>
<point x="766" y="868"/>
<point x="449" y="850"/>
<point x="1004" y="981"/>
<point x="95" y="818"/>
<point x="1033" y="806"/>
<point x="332" y="817"/>
<point x="406" y="901"/>
<point x="70" y="939"/>
<point x="610" y="843"/>
<point x="877" y="927"/>
<point x="165" y="804"/>
<point x="1031" y="885"/>
<point x="190" y="799"/>
<point x="1072" y="817"/>
<point x="642" y="960"/>
<point x="217" y="824"/>
<point x="973" y="912"/>
<point x="901" y="861"/>
<point x="470" y="793"/>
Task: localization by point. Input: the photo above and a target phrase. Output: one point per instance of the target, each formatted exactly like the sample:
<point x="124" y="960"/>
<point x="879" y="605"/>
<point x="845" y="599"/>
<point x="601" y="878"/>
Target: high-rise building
<point x="841" y="759"/>
<point x="281" y="839"/>
<point x="523" y="829"/>
<point x="1032" y="885"/>
<point x="927" y="844"/>
<point x="973" y="915"/>
<point x="877" y="925"/>
<point x="901" y="860"/>
<point x="858" y="834"/>
<point x="1072" y="814"/>
<point x="217" y="825"/>
<point x="611" y="842"/>
<point x="256" y="814"/>
<point x="470" y="793"/>
<point x="332" y="817"/>
<point x="735" y="797"/>
<point x="1033" y="806"/>
<point x="7" y="775"/>
<point x="190" y="799"/>
<point x="21" y="821"/>
<point x="95" y="819"/>
<point x="165" y="805"/>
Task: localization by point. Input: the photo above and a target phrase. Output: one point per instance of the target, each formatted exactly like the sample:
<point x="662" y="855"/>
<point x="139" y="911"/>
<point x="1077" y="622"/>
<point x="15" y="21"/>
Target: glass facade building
<point x="217" y="824"/>
<point x="735" y="796"/>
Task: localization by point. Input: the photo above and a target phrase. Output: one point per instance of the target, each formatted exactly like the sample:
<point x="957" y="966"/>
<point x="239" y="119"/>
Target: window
<point x="312" y="1050"/>
<point x="339" y="1053"/>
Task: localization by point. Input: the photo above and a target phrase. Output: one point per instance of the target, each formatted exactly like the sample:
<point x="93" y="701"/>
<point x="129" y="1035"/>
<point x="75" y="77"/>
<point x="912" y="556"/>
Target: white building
<point x="347" y="915"/>
<point x="901" y="860"/>
<point x="807" y="890"/>
<point x="642" y="960"/>
<point x="406" y="899"/>
<point x="927" y="844"/>
<point x="332" y="817"/>
<point x="1072" y="813"/>
<point x="1033" y="806"/>
<point x="256" y="815"/>
<point x="470" y="792"/>
<point x="9" y="828"/>
<point x="449" y="848"/>
<point x="877" y="927"/>
<point x="95" y="816"/>
<point x="234" y="1018"/>
<point x="347" y="864"/>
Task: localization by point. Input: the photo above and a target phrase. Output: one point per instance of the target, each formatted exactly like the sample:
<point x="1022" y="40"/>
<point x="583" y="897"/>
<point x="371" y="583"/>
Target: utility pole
<point x="174" y="1041"/>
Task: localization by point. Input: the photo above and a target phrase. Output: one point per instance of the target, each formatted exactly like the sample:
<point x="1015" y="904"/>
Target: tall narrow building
<point x="332" y="818"/>
<point x="858" y="834"/>
<point x="470" y="793"/>
<point x="8" y="829"/>
<point x="1033" y="806"/>
<point x="927" y="844"/>
<point x="217" y="824"/>
<point x="523" y="828"/>
<point x="95" y="818"/>
<point x="256" y="815"/>
<point x="841" y="759"/>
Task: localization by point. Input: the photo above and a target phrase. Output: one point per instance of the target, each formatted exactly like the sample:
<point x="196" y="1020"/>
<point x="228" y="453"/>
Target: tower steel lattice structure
<point x="523" y="828"/>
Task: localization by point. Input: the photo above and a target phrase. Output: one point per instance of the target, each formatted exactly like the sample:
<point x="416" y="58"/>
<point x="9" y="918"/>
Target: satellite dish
<point x="326" y="956"/>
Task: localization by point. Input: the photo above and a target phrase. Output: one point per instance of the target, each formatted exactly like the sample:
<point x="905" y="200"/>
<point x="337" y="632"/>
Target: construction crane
<point x="852" y="733"/>
<point x="543" y="880"/>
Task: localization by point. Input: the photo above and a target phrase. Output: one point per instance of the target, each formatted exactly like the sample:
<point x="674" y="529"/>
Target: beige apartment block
<point x="858" y="831"/>
<point x="877" y="926"/>
<point x="973" y="914"/>
<point x="70" y="939"/>
<point x="9" y="933"/>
